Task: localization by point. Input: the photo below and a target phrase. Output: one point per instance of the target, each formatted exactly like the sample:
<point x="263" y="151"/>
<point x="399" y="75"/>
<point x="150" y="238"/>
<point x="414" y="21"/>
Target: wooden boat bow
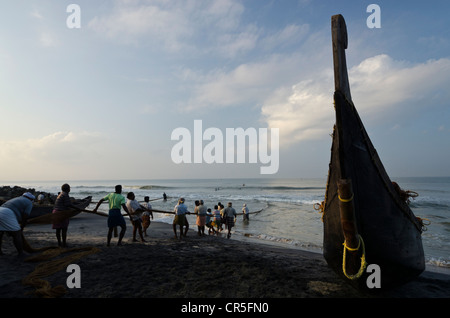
<point x="361" y="207"/>
<point x="340" y="44"/>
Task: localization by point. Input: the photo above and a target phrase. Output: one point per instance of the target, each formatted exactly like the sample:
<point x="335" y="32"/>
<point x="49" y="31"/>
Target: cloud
<point x="248" y="84"/>
<point x="174" y="25"/>
<point x="129" y="23"/>
<point x="60" y="152"/>
<point x="44" y="36"/>
<point x="280" y="59"/>
<point x="232" y="44"/>
<point x="291" y="34"/>
<point x="381" y="83"/>
<point x="47" y="40"/>
<point x="230" y="88"/>
<point x="36" y="14"/>
<point x="216" y="32"/>
<point x="209" y="28"/>
<point x="301" y="112"/>
<point x="381" y="88"/>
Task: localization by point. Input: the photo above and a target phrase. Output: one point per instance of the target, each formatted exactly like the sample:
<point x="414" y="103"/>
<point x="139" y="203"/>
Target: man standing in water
<point x="115" y="218"/>
<point x="230" y="214"/>
<point x="245" y="212"/>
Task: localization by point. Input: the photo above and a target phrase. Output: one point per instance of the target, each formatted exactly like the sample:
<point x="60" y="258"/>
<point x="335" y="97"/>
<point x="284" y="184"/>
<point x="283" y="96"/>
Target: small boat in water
<point x="366" y="221"/>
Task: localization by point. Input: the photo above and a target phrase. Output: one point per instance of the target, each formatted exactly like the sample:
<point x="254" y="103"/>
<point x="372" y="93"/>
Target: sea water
<point x="287" y="216"/>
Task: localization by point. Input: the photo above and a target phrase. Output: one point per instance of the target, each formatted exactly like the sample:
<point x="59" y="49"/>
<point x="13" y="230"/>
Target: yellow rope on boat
<point x="363" y="259"/>
<point x="345" y="200"/>
<point x="321" y="208"/>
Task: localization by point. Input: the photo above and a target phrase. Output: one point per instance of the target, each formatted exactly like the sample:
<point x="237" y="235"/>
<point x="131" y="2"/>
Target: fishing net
<point x="52" y="263"/>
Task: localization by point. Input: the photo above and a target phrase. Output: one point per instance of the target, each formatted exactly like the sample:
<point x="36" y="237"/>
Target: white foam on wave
<point x="439" y="262"/>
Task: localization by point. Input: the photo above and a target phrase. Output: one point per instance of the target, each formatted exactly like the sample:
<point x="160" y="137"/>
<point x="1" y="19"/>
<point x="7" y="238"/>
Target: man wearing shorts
<point x="115" y="218"/>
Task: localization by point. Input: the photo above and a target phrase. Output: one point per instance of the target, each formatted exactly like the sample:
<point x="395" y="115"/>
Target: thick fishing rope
<point x="42" y="287"/>
<point x="363" y="259"/>
<point x="321" y="206"/>
<point x="405" y="195"/>
<point x="423" y="223"/>
<point x="35" y="279"/>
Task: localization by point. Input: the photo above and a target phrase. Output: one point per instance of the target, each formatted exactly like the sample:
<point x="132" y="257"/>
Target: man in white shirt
<point x="180" y="218"/>
<point x="13" y="217"/>
<point x="135" y="210"/>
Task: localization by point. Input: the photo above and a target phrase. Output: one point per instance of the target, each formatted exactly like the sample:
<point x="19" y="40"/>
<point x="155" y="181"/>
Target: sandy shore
<point x="195" y="267"/>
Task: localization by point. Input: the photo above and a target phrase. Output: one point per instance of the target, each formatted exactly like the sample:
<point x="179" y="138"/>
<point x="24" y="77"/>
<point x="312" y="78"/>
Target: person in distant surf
<point x="62" y="203"/>
<point x="13" y="218"/>
<point x="197" y="203"/>
<point x="135" y="210"/>
<point x="115" y="218"/>
<point x="223" y="219"/>
<point x="146" y="215"/>
<point x="180" y="218"/>
<point x="215" y="221"/>
<point x="208" y="221"/>
<point x="201" y="217"/>
<point x="230" y="216"/>
<point x="245" y="212"/>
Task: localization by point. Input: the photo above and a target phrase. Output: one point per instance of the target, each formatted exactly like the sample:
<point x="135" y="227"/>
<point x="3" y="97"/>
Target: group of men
<point x="14" y="214"/>
<point x="133" y="209"/>
<point x="229" y="217"/>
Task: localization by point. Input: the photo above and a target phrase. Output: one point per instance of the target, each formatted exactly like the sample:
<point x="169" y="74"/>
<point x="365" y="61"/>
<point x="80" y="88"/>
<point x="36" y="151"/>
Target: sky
<point x="102" y="100"/>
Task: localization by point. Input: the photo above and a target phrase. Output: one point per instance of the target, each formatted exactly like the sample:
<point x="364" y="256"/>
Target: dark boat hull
<point x="41" y="211"/>
<point x="389" y="230"/>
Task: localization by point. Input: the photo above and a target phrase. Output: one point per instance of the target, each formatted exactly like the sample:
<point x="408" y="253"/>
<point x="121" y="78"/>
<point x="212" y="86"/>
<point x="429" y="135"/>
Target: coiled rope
<point x="363" y="259"/>
<point x="35" y="279"/>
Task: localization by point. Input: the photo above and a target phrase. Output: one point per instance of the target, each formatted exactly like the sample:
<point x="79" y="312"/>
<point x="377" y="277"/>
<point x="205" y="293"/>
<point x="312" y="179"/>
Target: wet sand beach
<point x="194" y="267"/>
